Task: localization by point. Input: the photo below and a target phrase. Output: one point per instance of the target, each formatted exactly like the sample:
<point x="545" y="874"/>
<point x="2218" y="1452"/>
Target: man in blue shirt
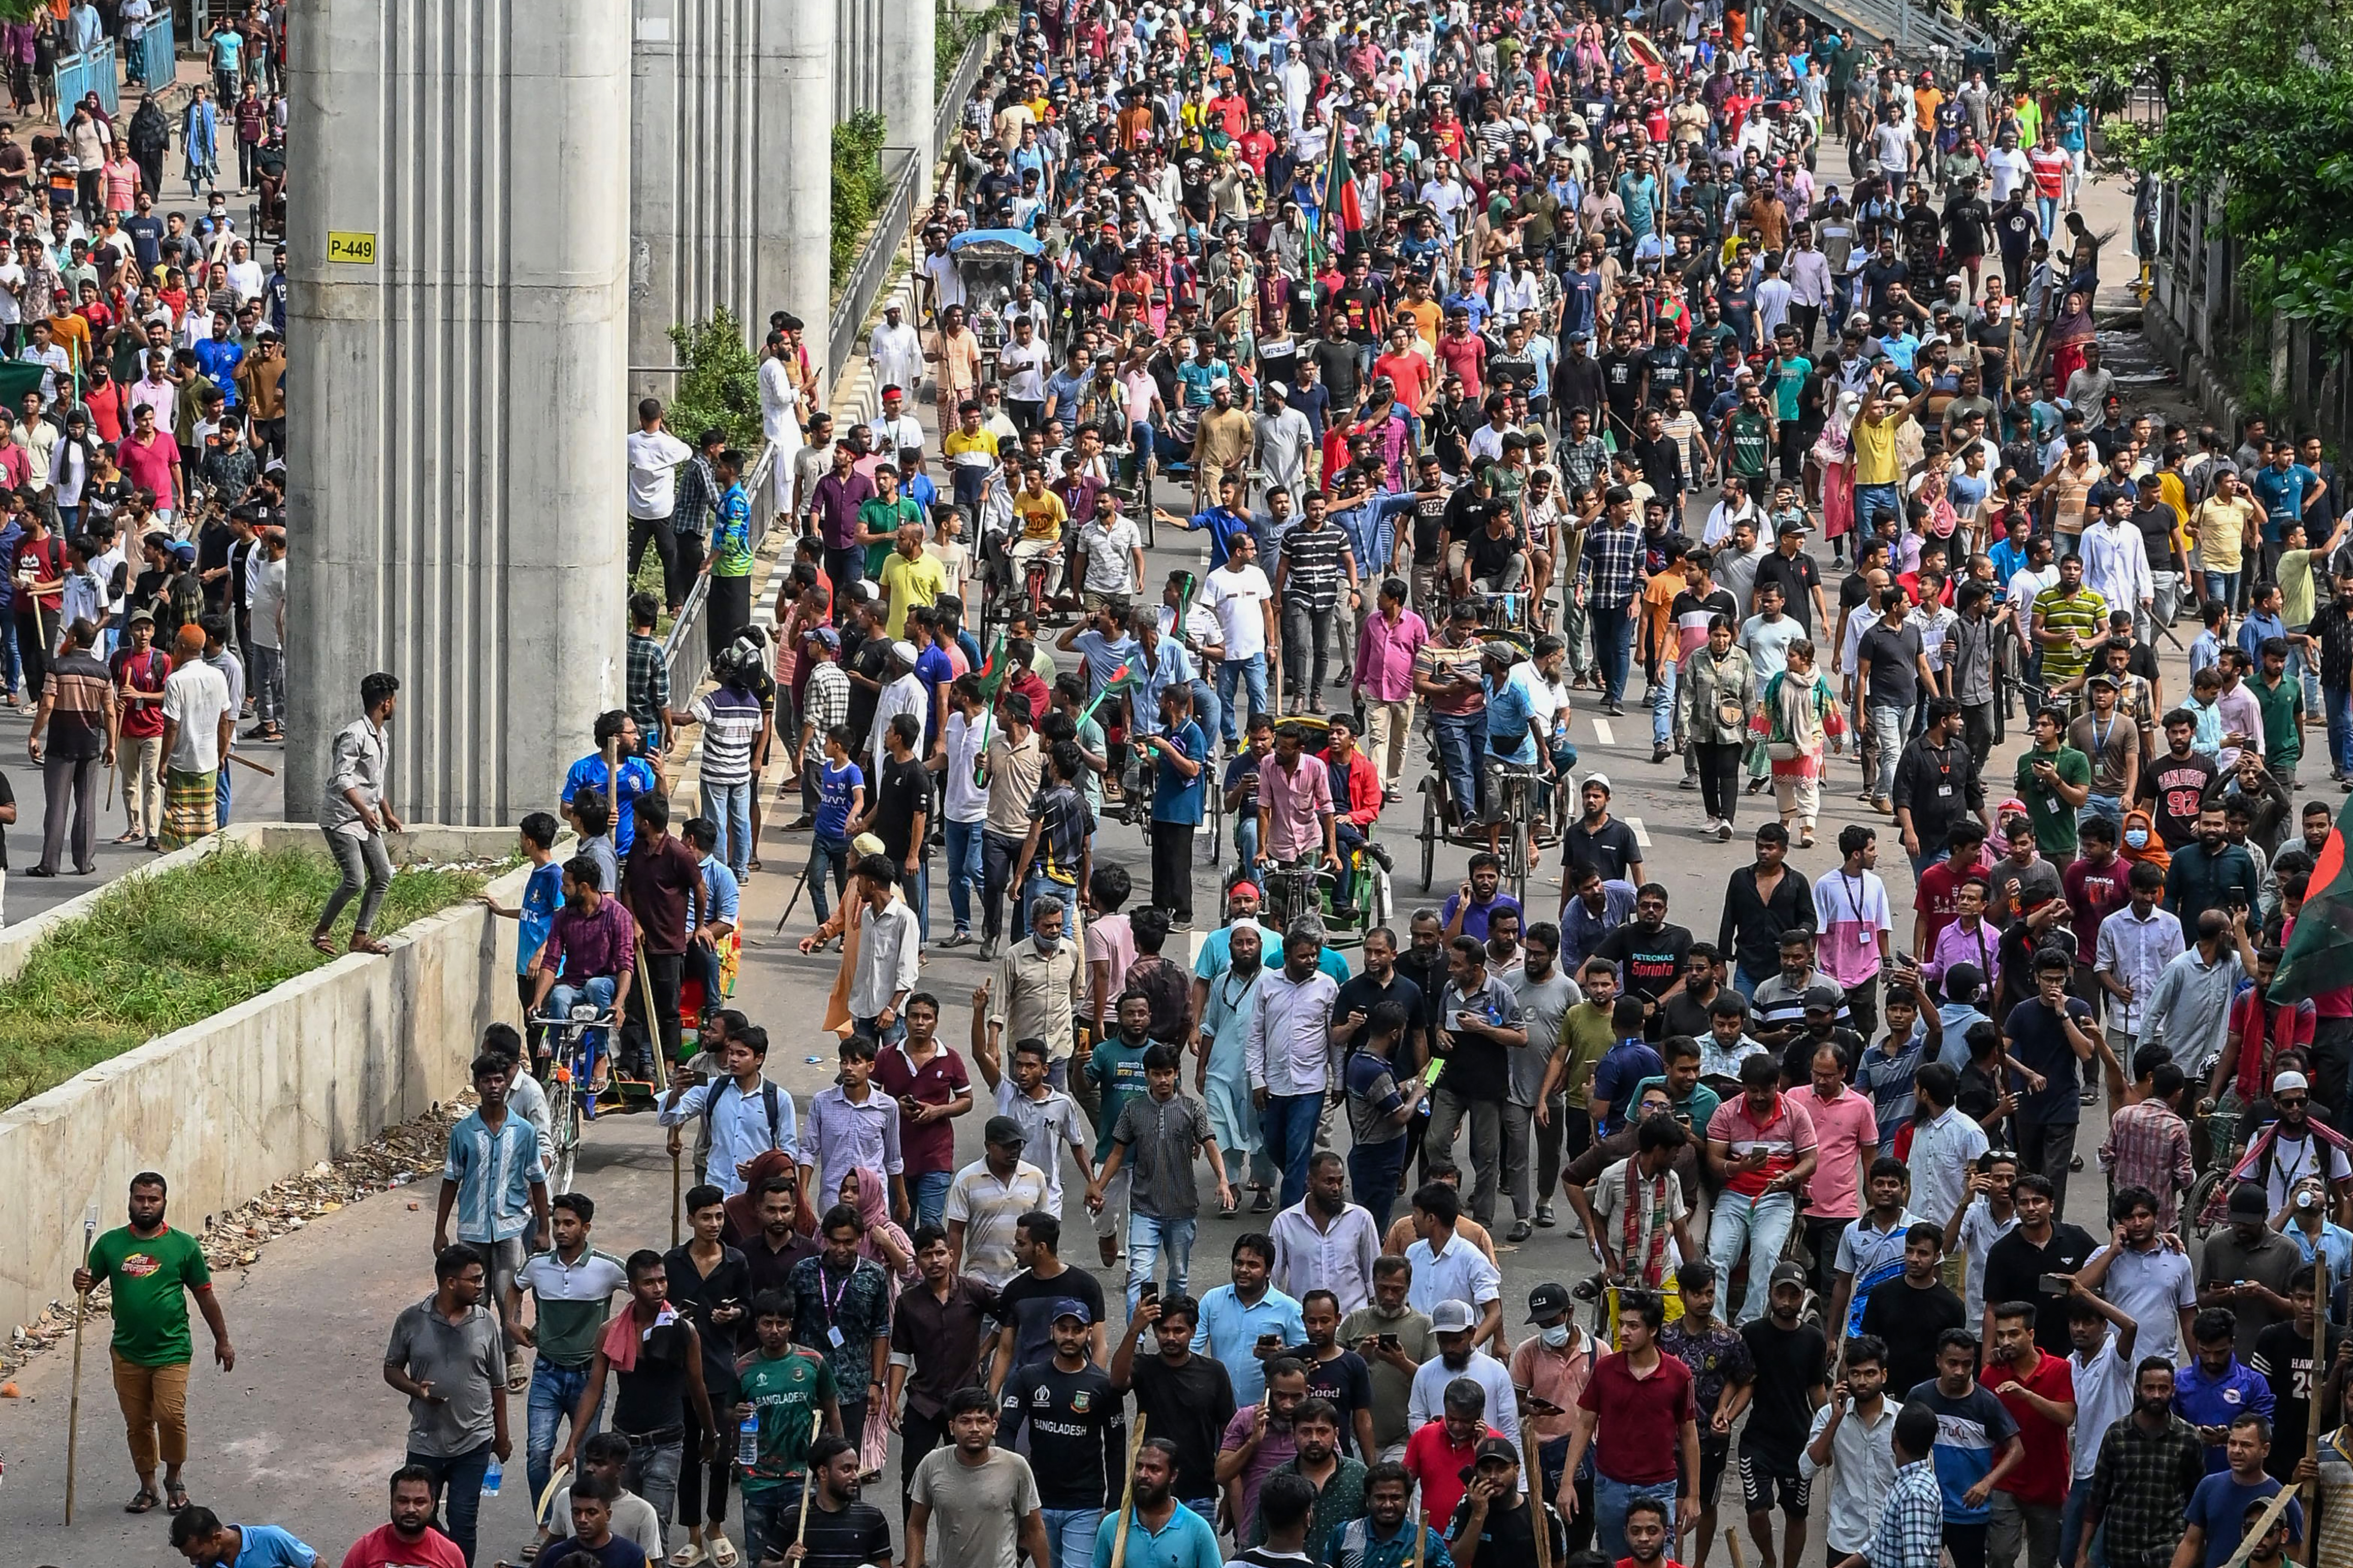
<point x="198" y="1535"/>
<point x="2216" y="1519"/>
<point x="219" y="355"/>
<point x="2216" y="1388"/>
<point x="1180" y="753"/>
<point x="1514" y="731"/>
<point x="1224" y="520"/>
<point x="2283" y="488"/>
<point x="542" y="895"/>
<point x="615" y="728"/>
<point x="1621" y="1066"/>
<point x="1235" y="1318"/>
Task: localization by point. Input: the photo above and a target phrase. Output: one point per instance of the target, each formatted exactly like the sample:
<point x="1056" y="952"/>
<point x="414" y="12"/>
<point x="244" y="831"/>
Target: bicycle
<point x="570" y="1065"/>
<point x="1519" y="782"/>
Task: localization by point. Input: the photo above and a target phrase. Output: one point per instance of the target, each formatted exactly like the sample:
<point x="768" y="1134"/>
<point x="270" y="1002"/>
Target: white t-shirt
<point x="2104" y="1396"/>
<point x="196" y="695"/>
<point x="967" y="801"/>
<point x="2007" y="167"/>
<point x="1235" y="598"/>
<point x="1979" y="1231"/>
<point x="1023" y="367"/>
<point x="1768" y="643"/>
<point x="265" y="595"/>
<point x="654" y="457"/>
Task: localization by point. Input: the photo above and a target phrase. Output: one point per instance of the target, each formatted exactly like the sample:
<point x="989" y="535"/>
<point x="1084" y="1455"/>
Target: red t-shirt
<point x="2094" y="893"/>
<point x="2050" y="166"/>
<point x="1409" y="373"/>
<point x="1641" y="1442"/>
<point x="1466" y="357"/>
<point x="931" y="1145"/>
<point x="380" y="1547"/>
<point x="1438" y="1465"/>
<point x="2041" y="1474"/>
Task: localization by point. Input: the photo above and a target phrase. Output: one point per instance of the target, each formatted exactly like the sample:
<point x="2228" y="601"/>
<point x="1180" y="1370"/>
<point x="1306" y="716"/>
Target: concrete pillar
<point x="457" y="464"/>
<point x="694" y="152"/>
<point x="792" y="252"/>
<point x="910" y="95"/>
<point x="860" y="42"/>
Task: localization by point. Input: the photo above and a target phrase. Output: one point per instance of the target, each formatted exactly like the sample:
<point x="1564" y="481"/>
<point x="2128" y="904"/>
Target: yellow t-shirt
<point x="2222" y="532"/>
<point x="980" y="447"/>
<point x="911" y="584"/>
<point x="1876" y="462"/>
<point x="1042" y="515"/>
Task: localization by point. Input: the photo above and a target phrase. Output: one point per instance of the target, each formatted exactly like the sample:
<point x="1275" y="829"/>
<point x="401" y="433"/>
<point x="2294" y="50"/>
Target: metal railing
<point x="685" y="650"/>
<point x="872" y="268"/>
<point x="91" y="71"/>
<point x="1918" y="31"/>
<point x="152" y="60"/>
<point x="947" y="124"/>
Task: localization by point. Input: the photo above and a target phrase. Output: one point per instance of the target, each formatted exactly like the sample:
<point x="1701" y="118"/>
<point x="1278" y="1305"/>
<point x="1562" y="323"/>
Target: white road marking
<point x="1602" y="731"/>
<point x="1642" y="834"/>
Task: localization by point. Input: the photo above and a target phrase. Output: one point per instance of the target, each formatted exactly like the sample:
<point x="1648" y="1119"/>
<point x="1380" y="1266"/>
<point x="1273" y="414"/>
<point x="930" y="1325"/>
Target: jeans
<point x="2337" y="702"/>
<point x="2019" y="1530"/>
<point x="1071" y="1536"/>
<point x="1246" y="846"/>
<point x="2108" y="806"/>
<point x="1758" y="1226"/>
<point x="2046" y="213"/>
<point x="730" y="807"/>
<point x="1249" y="675"/>
<point x="651" y="1470"/>
<point x="1663" y="705"/>
<point x="769" y="1518"/>
<point x="963" y="871"/>
<point x="458" y="1485"/>
<point x="1373" y="1171"/>
<point x="599" y="989"/>
<point x="1460" y="740"/>
<point x="2071" y="1527"/>
<point x="928" y="1194"/>
<point x="1207" y="710"/>
<point x="999" y="853"/>
<point x="364" y="862"/>
<point x="1613" y="642"/>
<point x="827" y="853"/>
<point x="1611" y="1498"/>
<point x="1869" y="500"/>
<point x="2223" y="585"/>
<point x="1889" y="725"/>
<point x="1289" y="1126"/>
<point x="1447" y="1109"/>
<point x="555" y="1397"/>
<point x="1040" y="885"/>
<point x="1304" y="629"/>
<point x="270" y="686"/>
<point x="1148" y="1237"/>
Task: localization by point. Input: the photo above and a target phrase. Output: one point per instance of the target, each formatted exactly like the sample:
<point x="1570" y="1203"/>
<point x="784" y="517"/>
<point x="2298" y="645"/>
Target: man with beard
<point x="1384" y="1538"/>
<point x="1452" y="1325"/>
<point x="1851" y="1434"/>
<point x="1329" y="1483"/>
<point x="839" y="1531"/>
<point x="2176" y="784"/>
<point x="1184" y="1399"/>
<point x="1791" y="1378"/>
<point x="1478" y="1025"/>
<point x="1976" y="1445"/>
<point x="1600" y="840"/>
<point x="1336" y="1376"/>
<point x="1077" y="1429"/>
<point x="978" y="1501"/>
<point x="1260" y="1439"/>
<point x="1162" y="1531"/>
<point x="1760" y="1145"/>
<point x="153" y="1270"/>
<point x="1637" y="1206"/>
<point x="409" y="1541"/>
<point x="1287" y="1053"/>
<point x="1394" y="1340"/>
<point x="1912" y="1312"/>
<point x="1496" y="1523"/>
<point x="1537" y="1109"/>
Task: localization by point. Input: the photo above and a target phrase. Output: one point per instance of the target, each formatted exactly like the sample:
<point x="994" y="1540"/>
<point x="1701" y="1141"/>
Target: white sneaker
<point x="1708" y="830"/>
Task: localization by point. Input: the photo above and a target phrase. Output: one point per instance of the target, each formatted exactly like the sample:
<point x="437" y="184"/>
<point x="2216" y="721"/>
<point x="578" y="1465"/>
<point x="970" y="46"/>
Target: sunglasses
<point x="2290" y="1101"/>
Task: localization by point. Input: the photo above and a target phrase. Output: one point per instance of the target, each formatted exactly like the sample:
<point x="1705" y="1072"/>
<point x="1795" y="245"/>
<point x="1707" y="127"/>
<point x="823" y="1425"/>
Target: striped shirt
<point x="2077" y="613"/>
<point x="494" y="1173"/>
<point x="731" y="719"/>
<point x="79" y="689"/>
<point x="1314" y="561"/>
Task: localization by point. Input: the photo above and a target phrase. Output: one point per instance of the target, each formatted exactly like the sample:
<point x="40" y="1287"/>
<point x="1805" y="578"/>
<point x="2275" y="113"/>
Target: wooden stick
<point x="2310" y="1490"/>
<point x="1535" y="1476"/>
<point x="677" y="1147"/>
<point x="653" y="1026"/>
<point x="1420" y="1536"/>
<point x="73" y="1406"/>
<point x="241" y="760"/>
<point x="2261" y="1528"/>
<point x="1127" y="1498"/>
<point x="808" y="1484"/>
<point x="1732" y="1539"/>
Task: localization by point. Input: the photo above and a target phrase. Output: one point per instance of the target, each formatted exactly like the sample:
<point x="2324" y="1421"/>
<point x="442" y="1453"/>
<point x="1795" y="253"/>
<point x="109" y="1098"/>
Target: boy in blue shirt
<point x="542" y="895"/>
<point x="841" y="800"/>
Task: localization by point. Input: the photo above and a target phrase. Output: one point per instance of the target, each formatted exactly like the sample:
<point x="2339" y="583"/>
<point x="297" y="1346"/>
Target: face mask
<point x="1047" y="944"/>
<point x="2137" y="839"/>
<point x="1556" y="1336"/>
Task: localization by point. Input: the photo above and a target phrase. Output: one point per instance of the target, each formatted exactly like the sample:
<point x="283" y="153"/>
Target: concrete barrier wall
<point x="306" y="1071"/>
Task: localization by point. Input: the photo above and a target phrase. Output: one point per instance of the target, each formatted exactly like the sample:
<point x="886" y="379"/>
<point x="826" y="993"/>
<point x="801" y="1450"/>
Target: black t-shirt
<point x="904" y="791"/>
<point x="859" y="1534"/>
<point x="1190" y="1406"/>
<point x="1348" y="1383"/>
<point x="1608" y="849"/>
<point x="1430" y="515"/>
<point x="1488" y="555"/>
<point x="1075" y="1425"/>
<point x="1909" y="1320"/>
<point x="2038" y="1043"/>
<point x="1622" y="378"/>
<point x="1663" y="369"/>
<point x="1799" y="577"/>
<point x="1363" y="993"/>
<point x="1790" y="1363"/>
<point x="1649" y="963"/>
<point x="873" y="660"/>
<point x="1335" y="360"/>
<point x="2174" y="787"/>
<point x="1892" y="657"/>
<point x="1510" y="1536"/>
<point x="2284" y="1356"/>
<point x="1028" y="1303"/>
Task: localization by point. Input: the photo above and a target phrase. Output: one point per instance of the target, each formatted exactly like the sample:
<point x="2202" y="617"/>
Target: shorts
<point x="1715" y="1455"/>
<point x="1760" y="1479"/>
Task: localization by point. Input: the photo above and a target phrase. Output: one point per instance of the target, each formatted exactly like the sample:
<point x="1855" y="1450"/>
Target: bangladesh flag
<point x="18" y="377"/>
<point x="1343" y="209"/>
<point x="1125" y="679"/>
<point x="993" y="671"/>
<point x="2319" y="955"/>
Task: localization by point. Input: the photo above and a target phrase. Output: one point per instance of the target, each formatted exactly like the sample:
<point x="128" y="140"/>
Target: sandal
<point x="686" y="1556"/>
<point x="175" y="1497"/>
<point x="362" y="942"/>
<point x="326" y="944"/>
<point x="723" y="1551"/>
<point x="143" y="1501"/>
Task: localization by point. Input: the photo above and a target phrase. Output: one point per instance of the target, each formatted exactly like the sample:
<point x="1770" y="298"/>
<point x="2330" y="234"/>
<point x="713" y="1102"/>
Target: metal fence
<point x="153" y="59"/>
<point x="949" y="121"/>
<point x="91" y="71"/>
<point x="872" y="268"/>
<point x="686" y="651"/>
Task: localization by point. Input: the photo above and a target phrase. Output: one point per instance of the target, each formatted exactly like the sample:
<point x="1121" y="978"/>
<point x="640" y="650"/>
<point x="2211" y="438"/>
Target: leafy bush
<point x="718" y="384"/>
<point x="859" y="190"/>
<point x="954" y="31"/>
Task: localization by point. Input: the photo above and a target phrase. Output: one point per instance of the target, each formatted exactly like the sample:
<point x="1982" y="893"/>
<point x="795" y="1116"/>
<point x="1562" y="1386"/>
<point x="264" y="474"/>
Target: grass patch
<point x="158" y="954"/>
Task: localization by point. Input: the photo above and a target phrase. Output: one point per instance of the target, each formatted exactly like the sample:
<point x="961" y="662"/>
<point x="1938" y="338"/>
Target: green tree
<point x="718" y="384"/>
<point x="858" y="189"/>
<point x="2099" y="50"/>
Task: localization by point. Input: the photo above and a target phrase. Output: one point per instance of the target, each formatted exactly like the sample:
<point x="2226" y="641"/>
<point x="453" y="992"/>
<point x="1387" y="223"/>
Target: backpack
<point x="770" y="1097"/>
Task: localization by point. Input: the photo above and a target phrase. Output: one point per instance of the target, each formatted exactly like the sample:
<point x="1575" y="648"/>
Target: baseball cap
<point x="1547" y="1301"/>
<point x="1005" y="1132"/>
<point x="824" y="635"/>
<point x="1823" y="998"/>
<point x="1071" y="1307"/>
<point x="1496" y="1448"/>
<point x="1790" y="525"/>
<point x="1498" y="650"/>
<point x="1452" y="1318"/>
<point x="2247" y="1202"/>
<point x="1788" y="1274"/>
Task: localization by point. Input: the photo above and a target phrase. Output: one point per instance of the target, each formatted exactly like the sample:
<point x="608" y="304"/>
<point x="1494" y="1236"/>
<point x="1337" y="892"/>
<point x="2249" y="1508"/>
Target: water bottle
<point x="490" y="1478"/>
<point x="747" y="1441"/>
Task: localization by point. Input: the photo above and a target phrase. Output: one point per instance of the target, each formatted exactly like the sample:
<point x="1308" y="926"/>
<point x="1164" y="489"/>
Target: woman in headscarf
<point x="743" y="1208"/>
<point x="2069" y="335"/>
<point x="1833" y="462"/>
<point x="885" y="1243"/>
<point x="1801" y="714"/>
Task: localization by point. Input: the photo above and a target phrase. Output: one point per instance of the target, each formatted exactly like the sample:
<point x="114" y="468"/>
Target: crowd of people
<point x="1499" y="346"/>
<point x="143" y="447"/>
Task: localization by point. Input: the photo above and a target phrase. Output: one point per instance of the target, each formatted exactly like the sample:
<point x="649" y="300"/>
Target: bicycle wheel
<point x="1431" y="833"/>
<point x="1522" y="830"/>
<point x="2201" y="1191"/>
<point x="563" y="1125"/>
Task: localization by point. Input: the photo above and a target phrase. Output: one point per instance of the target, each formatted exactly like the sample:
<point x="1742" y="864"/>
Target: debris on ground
<point x="234" y="1241"/>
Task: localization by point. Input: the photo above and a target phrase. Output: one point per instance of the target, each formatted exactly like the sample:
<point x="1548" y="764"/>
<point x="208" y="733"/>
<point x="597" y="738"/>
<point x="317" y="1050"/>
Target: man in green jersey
<point x="786" y="1388"/>
<point x="574" y="1285"/>
<point x="151" y="1267"/>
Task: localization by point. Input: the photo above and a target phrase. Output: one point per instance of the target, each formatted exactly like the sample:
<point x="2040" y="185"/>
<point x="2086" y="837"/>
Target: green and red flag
<point x="1125" y="679"/>
<point x="2319" y="955"/>
<point x="1341" y="207"/>
<point x="991" y="676"/>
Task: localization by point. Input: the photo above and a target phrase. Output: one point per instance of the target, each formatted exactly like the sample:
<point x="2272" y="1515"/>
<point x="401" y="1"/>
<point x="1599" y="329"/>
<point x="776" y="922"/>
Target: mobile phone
<point x="1270" y="1339"/>
<point x="2052" y="1284"/>
<point x="1387" y="1342"/>
<point x="1149" y="1291"/>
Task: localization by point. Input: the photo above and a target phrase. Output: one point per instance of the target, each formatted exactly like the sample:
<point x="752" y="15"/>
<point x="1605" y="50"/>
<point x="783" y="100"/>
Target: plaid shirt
<point x="1612" y="568"/>
<point x="825" y="702"/>
<point x="648" y="688"/>
<point x="697" y="491"/>
<point x="1911" y="1532"/>
<point x="2142" y="1485"/>
<point x="2149" y="1146"/>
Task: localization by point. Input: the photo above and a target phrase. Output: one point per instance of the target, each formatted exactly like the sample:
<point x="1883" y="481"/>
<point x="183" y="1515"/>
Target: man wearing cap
<point x="1281" y="438"/>
<point x="1077" y="1433"/>
<point x="2295" y="1148"/>
<point x="2246" y="1267"/>
<point x="987" y="1201"/>
<point x="1455" y="1323"/>
<point x="1553" y="1366"/>
<point x="1493" y="1523"/>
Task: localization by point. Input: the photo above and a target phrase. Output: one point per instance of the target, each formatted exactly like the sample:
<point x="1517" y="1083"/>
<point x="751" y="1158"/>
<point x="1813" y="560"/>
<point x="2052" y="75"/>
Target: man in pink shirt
<point x="1464" y="352"/>
<point x="1392" y="635"/>
<point x="151" y="459"/>
<point x="1760" y="1145"/>
<point x="1295" y="803"/>
<point x="1846" y="1140"/>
